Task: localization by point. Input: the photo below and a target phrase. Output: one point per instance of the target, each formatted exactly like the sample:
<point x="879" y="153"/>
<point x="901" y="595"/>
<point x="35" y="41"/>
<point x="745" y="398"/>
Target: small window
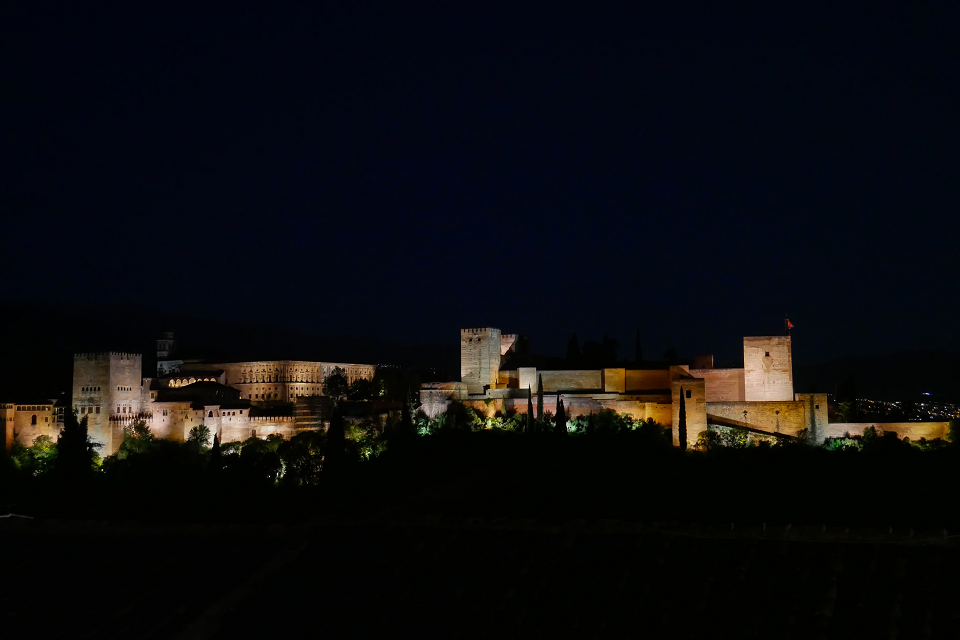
<point x="816" y="406"/>
<point x="98" y="410"/>
<point x="33" y="420"/>
<point x="688" y="393"/>
<point x="210" y="414"/>
<point x="766" y="354"/>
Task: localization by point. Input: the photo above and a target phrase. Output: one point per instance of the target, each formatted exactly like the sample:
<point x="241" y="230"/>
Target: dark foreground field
<point x="472" y="578"/>
<point x="491" y="536"/>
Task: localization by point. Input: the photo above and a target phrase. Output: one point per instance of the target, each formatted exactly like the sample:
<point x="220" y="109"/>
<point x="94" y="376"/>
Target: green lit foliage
<point x="953" y="432"/>
<point x="735" y="438"/>
<point x="335" y="385"/>
<point x="364" y="441"/>
<point x="44" y="454"/>
<point x="199" y="437"/>
<point x="717" y="437"/>
<point x="456" y="417"/>
<point x="929" y="445"/>
<point x="137" y="438"/>
<point x="846" y="443"/>
<point x="708" y="440"/>
<point x="34" y="460"/>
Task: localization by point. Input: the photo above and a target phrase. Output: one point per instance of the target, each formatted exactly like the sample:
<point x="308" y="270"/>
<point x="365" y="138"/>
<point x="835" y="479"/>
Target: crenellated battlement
<point x="131" y="417"/>
<point x="123" y="355"/>
<point x="272" y="420"/>
<point x="475" y="331"/>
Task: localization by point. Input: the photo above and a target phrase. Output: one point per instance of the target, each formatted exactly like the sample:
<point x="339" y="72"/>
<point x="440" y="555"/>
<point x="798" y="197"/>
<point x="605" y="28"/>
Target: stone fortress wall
<point x="109" y="390"/>
<point x="759" y="397"/>
<point x="28" y="421"/>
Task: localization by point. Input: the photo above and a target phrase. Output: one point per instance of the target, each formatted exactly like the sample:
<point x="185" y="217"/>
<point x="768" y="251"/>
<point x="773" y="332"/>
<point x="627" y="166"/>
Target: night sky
<point x="401" y="175"/>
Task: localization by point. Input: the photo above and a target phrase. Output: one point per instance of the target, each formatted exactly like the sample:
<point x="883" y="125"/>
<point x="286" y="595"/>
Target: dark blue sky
<point x="400" y="175"/>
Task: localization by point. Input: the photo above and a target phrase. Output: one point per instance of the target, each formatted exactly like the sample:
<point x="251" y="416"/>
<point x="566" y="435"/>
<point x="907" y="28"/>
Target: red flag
<point x="789" y="324"/>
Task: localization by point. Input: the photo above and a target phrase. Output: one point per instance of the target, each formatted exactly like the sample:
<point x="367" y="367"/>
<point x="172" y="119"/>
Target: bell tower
<point x="166" y="355"/>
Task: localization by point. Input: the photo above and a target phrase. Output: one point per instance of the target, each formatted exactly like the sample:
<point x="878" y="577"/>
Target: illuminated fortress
<point x="759" y="396"/>
<point x="237" y="400"/>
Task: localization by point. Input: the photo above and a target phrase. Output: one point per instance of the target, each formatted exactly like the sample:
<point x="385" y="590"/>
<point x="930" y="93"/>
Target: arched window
<point x="33" y="420"/>
<point x="210" y="415"/>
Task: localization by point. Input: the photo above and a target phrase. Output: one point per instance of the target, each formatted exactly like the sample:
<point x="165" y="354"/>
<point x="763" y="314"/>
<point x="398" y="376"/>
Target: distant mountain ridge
<point x="38" y="345"/>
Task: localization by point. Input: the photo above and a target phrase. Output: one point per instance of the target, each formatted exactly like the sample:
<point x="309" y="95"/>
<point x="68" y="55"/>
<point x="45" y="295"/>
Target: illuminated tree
<point x="137" y="438"/>
<point x="199" y="436"/>
<point x="682" y="422"/>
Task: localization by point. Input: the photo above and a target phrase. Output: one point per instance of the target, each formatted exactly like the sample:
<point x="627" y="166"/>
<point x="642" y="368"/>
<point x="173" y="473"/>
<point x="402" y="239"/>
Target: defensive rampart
<point x="912" y="430"/>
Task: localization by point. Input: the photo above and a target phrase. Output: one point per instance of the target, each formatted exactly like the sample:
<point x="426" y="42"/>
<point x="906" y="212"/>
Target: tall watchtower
<point x="767" y="368"/>
<point x="106" y="390"/>
<point x="479" y="358"/>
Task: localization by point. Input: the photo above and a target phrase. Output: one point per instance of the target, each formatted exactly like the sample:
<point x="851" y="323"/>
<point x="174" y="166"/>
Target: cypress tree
<point x="529" y="410"/>
<point x="406" y="420"/>
<point x="216" y="462"/>
<point x="540" y="398"/>
<point x="573" y="349"/>
<point x="639" y="353"/>
<point x="336" y="443"/>
<point x="682" y="422"/>
<point x="75" y="452"/>
<point x="561" y="426"/>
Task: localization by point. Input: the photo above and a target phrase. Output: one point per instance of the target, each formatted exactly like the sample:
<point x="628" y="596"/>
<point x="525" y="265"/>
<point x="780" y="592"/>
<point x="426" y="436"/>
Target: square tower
<point x="767" y="368"/>
<point x="479" y="358"/>
<point x="106" y="390"/>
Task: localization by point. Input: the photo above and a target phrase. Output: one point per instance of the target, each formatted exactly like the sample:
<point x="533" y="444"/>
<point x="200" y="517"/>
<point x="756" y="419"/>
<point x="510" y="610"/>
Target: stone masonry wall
<point x="19" y="419"/>
<point x="641" y="379"/>
<point x="554" y="381"/>
<point x="783" y="417"/>
<point x="912" y="430"/>
<point x="723" y="385"/>
<point x="767" y="368"/>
